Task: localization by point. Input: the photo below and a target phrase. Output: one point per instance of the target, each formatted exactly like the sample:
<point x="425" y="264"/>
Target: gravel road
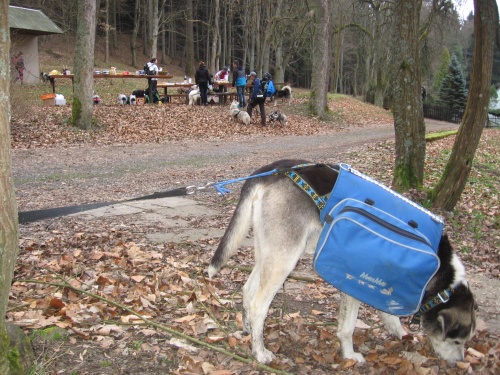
<point x="49" y="177"/>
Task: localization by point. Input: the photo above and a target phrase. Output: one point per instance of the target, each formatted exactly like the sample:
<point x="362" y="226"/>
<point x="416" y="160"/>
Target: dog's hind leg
<point x="348" y="315"/>
<point x="265" y="281"/>
<point x="280" y="239"/>
<point x="392" y="324"/>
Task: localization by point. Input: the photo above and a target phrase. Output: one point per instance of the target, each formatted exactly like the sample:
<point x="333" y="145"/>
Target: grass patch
<point x="439" y="135"/>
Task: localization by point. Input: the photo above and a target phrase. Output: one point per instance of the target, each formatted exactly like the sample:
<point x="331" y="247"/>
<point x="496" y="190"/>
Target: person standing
<point x="257" y="98"/>
<point x="152" y="82"/>
<point x="18" y="62"/>
<point x="202" y="79"/>
<point x="240" y="81"/>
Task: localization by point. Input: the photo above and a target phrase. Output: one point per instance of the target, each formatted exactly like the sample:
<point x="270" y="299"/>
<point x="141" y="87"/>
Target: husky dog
<point x="278" y="116"/>
<point x="132" y="99"/>
<point x="237" y="114"/>
<point x="286" y="223"/>
<point x="122" y="99"/>
<point x="285" y="94"/>
<point x="194" y="95"/>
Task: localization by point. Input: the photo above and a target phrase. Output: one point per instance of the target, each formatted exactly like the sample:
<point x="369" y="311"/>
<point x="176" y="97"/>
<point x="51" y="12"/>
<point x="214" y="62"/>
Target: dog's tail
<point x="236" y="231"/>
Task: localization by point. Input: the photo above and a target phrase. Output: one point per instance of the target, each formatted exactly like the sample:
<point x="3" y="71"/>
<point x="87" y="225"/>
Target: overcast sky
<point x="466" y="6"/>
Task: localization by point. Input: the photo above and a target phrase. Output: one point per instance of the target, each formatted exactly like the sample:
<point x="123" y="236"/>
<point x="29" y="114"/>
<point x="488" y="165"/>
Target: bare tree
<point x="9" y="227"/>
<point x="189" y="39"/>
<point x="84" y="64"/>
<point x="135" y="32"/>
<point x="452" y="183"/>
<point x="409" y="123"/>
<point x="321" y="59"/>
<point x="215" y="51"/>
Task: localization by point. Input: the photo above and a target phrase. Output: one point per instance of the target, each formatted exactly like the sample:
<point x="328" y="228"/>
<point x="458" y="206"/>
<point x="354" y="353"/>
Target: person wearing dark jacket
<point x="202" y="79"/>
<point x="257" y="98"/>
<point x="240" y="81"/>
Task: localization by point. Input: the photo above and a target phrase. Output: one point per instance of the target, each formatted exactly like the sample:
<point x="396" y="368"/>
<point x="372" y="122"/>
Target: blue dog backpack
<point x="376" y="245"/>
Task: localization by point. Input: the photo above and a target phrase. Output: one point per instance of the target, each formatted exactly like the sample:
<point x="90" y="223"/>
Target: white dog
<point x="237" y="114"/>
<point x="133" y="99"/>
<point x="194" y="95"/>
<point x="122" y="99"/>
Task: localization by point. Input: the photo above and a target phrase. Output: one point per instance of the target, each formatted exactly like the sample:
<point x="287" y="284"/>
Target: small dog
<point x="44" y="76"/>
<point x="132" y="99"/>
<point x="122" y="99"/>
<point x="278" y="116"/>
<point x="286" y="224"/>
<point x="285" y="94"/>
<point x="237" y="114"/>
<point x="194" y="95"/>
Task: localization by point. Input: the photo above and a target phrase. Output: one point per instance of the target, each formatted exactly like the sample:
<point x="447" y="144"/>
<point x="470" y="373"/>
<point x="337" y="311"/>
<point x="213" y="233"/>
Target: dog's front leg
<point x="348" y="315"/>
<point x="392" y="325"/>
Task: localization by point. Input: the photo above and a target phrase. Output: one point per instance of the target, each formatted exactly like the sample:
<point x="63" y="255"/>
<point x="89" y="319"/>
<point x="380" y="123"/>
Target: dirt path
<point x="120" y="171"/>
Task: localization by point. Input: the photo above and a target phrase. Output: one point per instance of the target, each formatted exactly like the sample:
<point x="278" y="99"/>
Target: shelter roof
<point x="31" y="21"/>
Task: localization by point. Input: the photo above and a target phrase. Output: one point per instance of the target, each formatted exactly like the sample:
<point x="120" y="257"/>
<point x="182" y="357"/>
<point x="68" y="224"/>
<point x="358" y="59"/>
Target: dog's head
<point x="133" y="99"/>
<point x="122" y="99"/>
<point x="452" y="323"/>
<point x="274" y="116"/>
<point x="234" y="105"/>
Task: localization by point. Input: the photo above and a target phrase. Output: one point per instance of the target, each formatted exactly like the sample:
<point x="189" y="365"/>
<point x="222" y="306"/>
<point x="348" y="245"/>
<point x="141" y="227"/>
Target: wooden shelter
<point x="26" y="25"/>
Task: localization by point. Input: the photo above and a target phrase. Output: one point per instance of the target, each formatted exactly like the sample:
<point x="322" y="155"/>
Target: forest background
<point x="276" y="36"/>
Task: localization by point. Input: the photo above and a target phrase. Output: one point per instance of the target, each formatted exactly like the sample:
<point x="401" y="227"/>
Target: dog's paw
<point x="264" y="356"/>
<point x="358" y="357"/>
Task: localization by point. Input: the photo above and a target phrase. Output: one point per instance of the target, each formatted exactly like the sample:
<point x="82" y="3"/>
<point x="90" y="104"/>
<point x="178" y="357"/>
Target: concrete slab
<point x="114" y="210"/>
<point x="186" y="211"/>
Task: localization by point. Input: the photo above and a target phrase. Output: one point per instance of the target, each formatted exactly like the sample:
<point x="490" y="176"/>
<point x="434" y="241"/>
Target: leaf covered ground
<point x="100" y="297"/>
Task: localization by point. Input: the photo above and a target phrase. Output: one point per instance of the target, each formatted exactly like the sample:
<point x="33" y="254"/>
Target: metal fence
<point x="443" y="114"/>
<point x="493" y="121"/>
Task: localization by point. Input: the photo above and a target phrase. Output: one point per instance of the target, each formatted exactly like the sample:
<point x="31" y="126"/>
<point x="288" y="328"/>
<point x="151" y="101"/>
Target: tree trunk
<point x="9" y="226"/>
<point x="409" y="123"/>
<point x="321" y="59"/>
<point x="84" y="66"/>
<point x="135" y="32"/>
<point x="155" y="22"/>
<point x="215" y="51"/>
<point x="106" y="31"/>
<point x="452" y="183"/>
<point x="189" y="39"/>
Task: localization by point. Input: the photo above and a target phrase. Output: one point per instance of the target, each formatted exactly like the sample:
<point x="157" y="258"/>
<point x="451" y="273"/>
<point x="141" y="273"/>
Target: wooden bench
<point x="185" y="96"/>
<point x="224" y="96"/>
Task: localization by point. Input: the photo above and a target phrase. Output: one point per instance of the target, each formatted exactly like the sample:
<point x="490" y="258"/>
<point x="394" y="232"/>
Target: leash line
<point x="50" y="213"/>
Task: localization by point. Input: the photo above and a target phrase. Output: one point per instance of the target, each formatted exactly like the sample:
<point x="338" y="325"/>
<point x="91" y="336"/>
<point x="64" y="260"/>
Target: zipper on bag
<point x="385" y="224"/>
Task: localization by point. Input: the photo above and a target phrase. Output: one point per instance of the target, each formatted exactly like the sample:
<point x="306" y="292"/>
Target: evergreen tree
<point x="441" y="71"/>
<point x="453" y="93"/>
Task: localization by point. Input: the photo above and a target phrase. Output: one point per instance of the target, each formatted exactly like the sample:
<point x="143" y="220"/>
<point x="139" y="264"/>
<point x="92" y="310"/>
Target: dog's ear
<point x="446" y="320"/>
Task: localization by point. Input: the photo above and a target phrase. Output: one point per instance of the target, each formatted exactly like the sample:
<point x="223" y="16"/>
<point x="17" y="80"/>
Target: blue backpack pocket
<point x="375" y="257"/>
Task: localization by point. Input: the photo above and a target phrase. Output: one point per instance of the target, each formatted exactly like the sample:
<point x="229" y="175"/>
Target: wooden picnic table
<point x="53" y="78"/>
<point x="224" y="94"/>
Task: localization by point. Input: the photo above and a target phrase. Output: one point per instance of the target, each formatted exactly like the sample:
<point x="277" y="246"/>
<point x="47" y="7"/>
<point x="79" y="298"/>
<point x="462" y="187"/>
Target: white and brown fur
<point x="286" y="224"/>
<point x="285" y="94"/>
<point x="238" y="114"/>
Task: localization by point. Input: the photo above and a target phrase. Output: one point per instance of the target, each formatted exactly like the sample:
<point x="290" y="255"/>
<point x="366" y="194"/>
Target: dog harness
<point x="441" y="297"/>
